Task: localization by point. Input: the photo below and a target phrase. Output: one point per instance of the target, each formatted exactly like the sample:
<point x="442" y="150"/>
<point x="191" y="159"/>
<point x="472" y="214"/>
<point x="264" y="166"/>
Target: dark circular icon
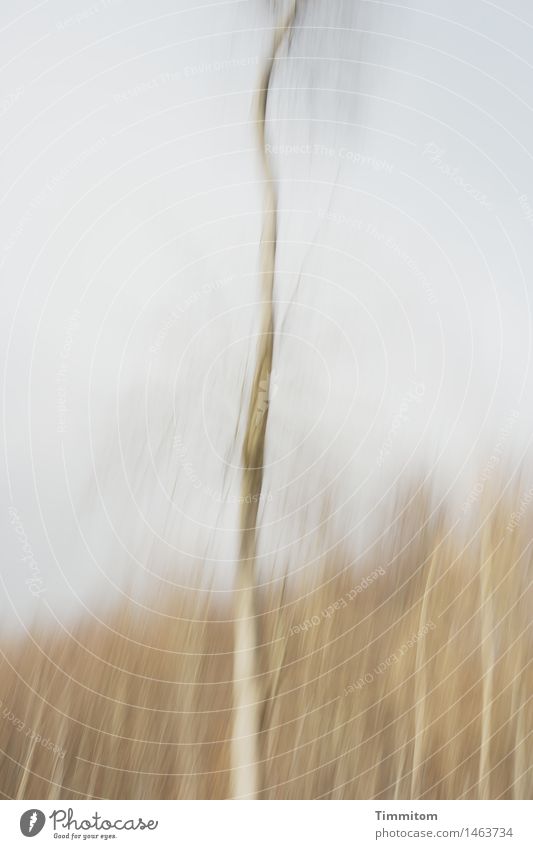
<point x="32" y="822"/>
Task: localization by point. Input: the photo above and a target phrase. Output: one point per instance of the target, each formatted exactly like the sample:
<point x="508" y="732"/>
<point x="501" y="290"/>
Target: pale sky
<point x="130" y="219"/>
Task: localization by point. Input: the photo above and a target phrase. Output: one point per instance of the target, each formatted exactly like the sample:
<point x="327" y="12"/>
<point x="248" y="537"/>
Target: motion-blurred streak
<point x="413" y="684"/>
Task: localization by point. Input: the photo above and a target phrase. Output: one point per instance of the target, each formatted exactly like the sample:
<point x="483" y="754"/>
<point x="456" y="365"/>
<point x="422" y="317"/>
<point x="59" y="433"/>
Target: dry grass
<point x="142" y="706"/>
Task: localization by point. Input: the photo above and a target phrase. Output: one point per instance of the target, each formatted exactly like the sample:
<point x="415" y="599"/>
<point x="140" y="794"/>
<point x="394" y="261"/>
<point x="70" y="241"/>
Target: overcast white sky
<point x="130" y="217"/>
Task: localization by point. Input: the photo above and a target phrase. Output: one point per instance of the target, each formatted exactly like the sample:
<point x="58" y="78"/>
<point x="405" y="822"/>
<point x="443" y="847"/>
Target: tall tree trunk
<point x="247" y="692"/>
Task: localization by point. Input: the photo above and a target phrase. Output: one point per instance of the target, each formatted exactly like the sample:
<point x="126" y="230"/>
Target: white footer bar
<point x="267" y="825"/>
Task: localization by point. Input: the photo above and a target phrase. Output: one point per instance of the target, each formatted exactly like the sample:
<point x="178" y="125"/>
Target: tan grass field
<point x="140" y="706"/>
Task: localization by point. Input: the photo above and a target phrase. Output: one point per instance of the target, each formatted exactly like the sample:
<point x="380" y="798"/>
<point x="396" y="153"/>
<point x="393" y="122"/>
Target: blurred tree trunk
<point x="247" y="692"/>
